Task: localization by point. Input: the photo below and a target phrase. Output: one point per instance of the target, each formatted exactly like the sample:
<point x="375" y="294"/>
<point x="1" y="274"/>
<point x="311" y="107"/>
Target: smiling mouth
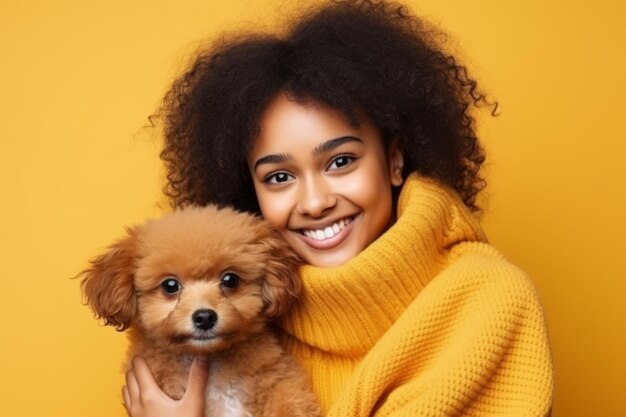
<point x="327" y="232"/>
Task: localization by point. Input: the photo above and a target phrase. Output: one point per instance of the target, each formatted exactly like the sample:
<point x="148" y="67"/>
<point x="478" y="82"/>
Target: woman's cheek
<point x="275" y="208"/>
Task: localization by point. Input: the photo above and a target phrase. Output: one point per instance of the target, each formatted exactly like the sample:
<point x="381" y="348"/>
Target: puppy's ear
<point x="108" y="284"/>
<point x="282" y="283"/>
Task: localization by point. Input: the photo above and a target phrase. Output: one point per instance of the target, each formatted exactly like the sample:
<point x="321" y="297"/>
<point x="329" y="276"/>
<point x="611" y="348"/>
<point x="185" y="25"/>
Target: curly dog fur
<point x="206" y="281"/>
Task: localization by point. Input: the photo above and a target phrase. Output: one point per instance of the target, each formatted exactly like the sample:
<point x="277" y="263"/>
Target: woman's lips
<point x="338" y="236"/>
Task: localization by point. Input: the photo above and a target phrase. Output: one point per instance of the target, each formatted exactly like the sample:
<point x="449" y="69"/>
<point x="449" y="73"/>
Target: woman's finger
<point x="132" y="387"/>
<point x="198" y="376"/>
<point x="144" y="378"/>
<point x="126" y="397"/>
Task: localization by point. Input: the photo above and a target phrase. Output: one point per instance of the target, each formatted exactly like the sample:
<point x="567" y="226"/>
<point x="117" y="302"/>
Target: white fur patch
<point x="225" y="402"/>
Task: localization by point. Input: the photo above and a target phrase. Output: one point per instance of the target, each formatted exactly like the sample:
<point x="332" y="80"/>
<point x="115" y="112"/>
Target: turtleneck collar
<point x="346" y="309"/>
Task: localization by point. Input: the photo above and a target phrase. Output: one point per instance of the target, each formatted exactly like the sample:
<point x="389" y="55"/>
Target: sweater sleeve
<point x="473" y="343"/>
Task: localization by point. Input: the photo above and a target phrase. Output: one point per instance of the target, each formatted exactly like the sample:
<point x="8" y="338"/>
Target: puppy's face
<point x="201" y="279"/>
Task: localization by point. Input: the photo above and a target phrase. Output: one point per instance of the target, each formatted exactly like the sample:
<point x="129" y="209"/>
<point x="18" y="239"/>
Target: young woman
<point x="352" y="134"/>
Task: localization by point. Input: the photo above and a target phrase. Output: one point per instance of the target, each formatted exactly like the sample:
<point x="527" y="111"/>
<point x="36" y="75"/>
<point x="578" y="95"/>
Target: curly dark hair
<point x="348" y="55"/>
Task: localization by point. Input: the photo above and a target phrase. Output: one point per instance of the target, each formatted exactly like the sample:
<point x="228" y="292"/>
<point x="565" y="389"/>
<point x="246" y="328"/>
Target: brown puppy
<point x="206" y="281"/>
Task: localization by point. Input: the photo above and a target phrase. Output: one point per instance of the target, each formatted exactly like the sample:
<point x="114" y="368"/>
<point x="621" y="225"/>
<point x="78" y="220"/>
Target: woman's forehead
<point x="286" y="122"/>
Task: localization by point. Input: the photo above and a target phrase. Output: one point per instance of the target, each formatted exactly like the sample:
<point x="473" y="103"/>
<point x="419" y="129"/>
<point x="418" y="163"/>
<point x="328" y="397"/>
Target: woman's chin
<point x="326" y="258"/>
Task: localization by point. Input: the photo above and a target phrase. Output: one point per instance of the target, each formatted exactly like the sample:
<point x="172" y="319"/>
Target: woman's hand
<point x="144" y="398"/>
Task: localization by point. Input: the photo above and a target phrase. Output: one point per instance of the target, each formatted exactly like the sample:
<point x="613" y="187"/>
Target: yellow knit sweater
<point x="429" y="320"/>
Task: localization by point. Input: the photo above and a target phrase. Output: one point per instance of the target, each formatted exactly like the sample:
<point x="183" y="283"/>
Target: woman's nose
<point x="316" y="197"/>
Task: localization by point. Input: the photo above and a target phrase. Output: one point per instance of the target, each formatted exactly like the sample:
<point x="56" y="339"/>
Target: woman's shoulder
<point x="484" y="275"/>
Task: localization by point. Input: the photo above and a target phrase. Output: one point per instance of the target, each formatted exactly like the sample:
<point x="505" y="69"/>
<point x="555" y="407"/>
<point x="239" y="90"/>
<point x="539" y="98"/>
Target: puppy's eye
<point x="170" y="286"/>
<point x="230" y="280"/>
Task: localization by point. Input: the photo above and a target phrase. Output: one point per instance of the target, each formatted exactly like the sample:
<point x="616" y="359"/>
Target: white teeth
<point x="328" y="231"/>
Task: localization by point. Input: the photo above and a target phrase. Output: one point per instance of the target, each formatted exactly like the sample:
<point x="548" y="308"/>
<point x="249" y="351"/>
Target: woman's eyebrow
<point x="331" y="144"/>
<point x="273" y="159"/>
<point x="319" y="149"/>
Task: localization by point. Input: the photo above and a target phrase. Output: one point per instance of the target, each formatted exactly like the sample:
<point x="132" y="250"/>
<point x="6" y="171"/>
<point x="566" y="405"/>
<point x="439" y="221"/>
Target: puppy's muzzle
<point x="204" y="319"/>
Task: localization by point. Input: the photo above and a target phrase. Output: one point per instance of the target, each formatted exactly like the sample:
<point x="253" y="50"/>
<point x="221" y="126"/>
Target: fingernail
<point x="202" y="360"/>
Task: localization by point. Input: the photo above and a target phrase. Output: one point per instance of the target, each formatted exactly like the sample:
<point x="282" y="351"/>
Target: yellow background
<point x="78" y="79"/>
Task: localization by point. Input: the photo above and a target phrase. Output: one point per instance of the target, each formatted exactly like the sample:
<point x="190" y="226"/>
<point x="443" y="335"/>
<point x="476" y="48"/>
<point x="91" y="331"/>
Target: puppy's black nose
<point x="204" y="319"/>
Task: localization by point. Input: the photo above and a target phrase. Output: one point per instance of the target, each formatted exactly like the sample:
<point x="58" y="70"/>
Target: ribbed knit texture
<point x="429" y="320"/>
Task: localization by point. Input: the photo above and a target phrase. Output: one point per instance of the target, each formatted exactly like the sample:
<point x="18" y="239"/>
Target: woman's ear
<point x="282" y="283"/>
<point x="395" y="155"/>
<point x="108" y="285"/>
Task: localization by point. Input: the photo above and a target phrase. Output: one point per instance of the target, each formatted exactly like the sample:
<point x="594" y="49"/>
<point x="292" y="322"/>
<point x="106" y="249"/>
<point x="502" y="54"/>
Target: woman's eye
<point x="170" y="286"/>
<point x="340" y="161"/>
<point x="278" y="178"/>
<point x="230" y="280"/>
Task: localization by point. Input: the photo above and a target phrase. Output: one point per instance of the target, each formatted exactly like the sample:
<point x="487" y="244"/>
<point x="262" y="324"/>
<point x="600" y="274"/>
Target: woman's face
<point x="323" y="184"/>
